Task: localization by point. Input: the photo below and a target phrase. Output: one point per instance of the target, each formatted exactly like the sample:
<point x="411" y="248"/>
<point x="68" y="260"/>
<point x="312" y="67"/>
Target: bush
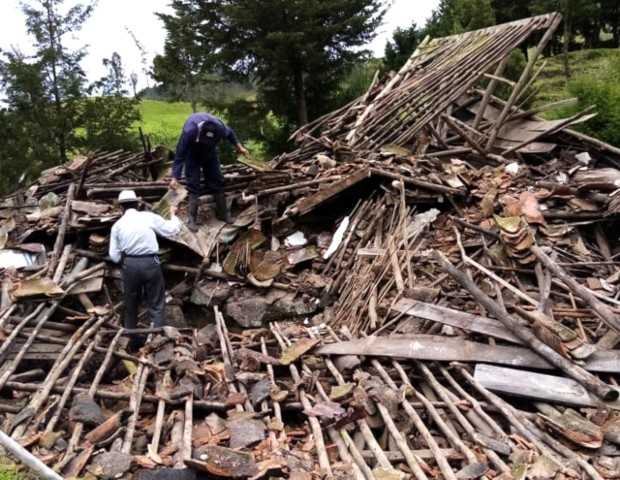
<point x="107" y="122"/>
<point x="603" y="91"/>
<point x="357" y="81"/>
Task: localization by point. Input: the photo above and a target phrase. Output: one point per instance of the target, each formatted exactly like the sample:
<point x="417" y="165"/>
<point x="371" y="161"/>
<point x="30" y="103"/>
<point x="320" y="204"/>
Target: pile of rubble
<point x="426" y="287"/>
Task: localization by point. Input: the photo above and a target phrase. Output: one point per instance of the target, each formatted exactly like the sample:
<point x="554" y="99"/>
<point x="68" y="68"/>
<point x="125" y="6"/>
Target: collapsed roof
<point x="428" y="286"/>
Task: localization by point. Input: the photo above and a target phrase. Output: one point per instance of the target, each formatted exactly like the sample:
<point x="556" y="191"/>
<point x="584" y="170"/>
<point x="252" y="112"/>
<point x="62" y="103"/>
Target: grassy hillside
<point x="552" y="81"/>
<point x="163" y="121"/>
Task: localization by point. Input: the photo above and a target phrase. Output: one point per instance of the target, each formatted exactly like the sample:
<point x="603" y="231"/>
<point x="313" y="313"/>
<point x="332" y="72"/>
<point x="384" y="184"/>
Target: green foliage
<point x="107" y="119"/>
<point x="458" y="16"/>
<point x="107" y="122"/>
<point x="43" y="93"/>
<point x="63" y="80"/>
<point x="162" y="120"/>
<point x="51" y="112"/>
<point x="514" y="68"/>
<point x="603" y="91"/>
<point x="10" y="471"/>
<point x="358" y="80"/>
<point x="552" y="84"/>
<point x="403" y="44"/>
<point x="295" y="49"/>
<point x="188" y="60"/>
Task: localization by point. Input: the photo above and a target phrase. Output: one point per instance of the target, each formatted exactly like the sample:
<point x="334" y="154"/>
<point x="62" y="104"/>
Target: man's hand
<point x="174" y="183"/>
<point x="242" y="150"/>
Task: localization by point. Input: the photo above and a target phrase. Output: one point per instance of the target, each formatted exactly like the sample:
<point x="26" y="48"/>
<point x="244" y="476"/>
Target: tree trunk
<point x="300" y="97"/>
<point x="60" y="120"/>
<point x="567" y="39"/>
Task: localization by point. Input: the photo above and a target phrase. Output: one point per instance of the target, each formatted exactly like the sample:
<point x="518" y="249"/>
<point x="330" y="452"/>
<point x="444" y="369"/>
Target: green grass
<point x="163" y="121"/>
<point x="10" y="471"/>
<point x="552" y="81"/>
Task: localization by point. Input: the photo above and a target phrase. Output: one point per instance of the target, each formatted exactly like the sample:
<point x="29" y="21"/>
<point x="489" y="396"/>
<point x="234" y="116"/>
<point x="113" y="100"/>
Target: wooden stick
<point x="605" y="313"/>
<point x="314" y="422"/>
<point x="64" y="258"/>
<point x="134" y="405"/>
<point x="62" y="230"/>
<point x="489" y="91"/>
<point x="188" y="427"/>
<point x="68" y="388"/>
<point x="518" y="327"/>
<point x="523" y="80"/>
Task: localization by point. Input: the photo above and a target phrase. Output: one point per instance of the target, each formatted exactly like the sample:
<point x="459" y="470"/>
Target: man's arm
<point x="114" y="249"/>
<point x="166" y="228"/>
<point x="230" y="135"/>
<point x="187" y="136"/>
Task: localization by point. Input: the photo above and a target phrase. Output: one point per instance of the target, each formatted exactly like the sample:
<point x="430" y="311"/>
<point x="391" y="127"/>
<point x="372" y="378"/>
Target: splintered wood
<point x="426" y="287"/>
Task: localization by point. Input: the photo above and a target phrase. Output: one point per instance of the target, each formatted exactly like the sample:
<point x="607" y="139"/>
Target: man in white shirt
<point x="133" y="243"/>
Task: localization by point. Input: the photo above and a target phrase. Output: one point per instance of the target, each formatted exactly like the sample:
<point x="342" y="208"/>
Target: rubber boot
<point x="221" y="208"/>
<point x="192" y="211"/>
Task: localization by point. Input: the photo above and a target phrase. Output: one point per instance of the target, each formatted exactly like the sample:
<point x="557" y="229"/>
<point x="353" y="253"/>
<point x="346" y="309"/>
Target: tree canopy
<point x="296" y="49"/>
<point x="51" y="110"/>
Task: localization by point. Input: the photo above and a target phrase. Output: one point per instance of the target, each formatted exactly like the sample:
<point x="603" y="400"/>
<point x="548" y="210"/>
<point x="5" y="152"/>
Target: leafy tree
<point x="510" y="10"/>
<point x="61" y="74"/>
<point x="188" y="54"/>
<point x="579" y="16"/>
<point x="476" y="14"/>
<point x="358" y="80"/>
<point x="50" y="110"/>
<point x="133" y="78"/>
<point x="114" y="82"/>
<point x="610" y="17"/>
<point x="603" y="90"/>
<point x="109" y="114"/>
<point x="403" y="44"/>
<point x="294" y="48"/>
<point x="458" y="16"/>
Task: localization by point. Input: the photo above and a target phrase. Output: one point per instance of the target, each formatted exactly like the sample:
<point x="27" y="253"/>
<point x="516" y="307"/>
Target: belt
<point x="143" y="255"/>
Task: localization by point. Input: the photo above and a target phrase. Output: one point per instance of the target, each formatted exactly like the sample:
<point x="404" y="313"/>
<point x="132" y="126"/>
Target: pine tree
<point x="403" y="44"/>
<point x="293" y="48"/>
<point x="62" y="77"/>
<point x="188" y="54"/>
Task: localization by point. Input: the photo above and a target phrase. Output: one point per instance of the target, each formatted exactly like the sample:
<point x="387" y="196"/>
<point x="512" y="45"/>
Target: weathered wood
<point x="518" y="327"/>
<point x="455" y="349"/>
<point x="62" y="230"/>
<point x="455" y="318"/>
<point x="538" y="386"/>
<point x="605" y="313"/>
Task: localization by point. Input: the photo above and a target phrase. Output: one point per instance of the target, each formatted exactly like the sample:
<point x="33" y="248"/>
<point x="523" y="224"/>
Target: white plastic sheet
<point x="337" y="238"/>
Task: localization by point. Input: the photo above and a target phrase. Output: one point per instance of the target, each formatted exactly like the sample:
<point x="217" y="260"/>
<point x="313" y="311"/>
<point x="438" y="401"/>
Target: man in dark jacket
<point x="197" y="151"/>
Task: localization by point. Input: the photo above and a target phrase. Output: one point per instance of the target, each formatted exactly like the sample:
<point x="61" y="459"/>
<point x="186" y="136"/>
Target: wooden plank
<point x="456" y="349"/>
<point x="539" y="386"/>
<point x="455" y="318"/>
<point x="307" y="204"/>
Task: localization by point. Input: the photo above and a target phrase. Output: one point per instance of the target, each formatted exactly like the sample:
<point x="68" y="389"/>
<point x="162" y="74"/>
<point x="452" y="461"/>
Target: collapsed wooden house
<point x="427" y="287"/>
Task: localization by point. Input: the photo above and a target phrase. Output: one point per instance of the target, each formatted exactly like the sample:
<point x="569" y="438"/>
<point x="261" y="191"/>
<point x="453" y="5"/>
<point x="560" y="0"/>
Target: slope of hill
<point x="162" y="121"/>
<point x="552" y="82"/>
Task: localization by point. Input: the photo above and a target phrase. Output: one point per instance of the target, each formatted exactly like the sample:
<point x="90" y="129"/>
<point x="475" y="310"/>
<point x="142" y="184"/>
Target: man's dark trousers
<point x="204" y="161"/>
<point x="142" y="277"/>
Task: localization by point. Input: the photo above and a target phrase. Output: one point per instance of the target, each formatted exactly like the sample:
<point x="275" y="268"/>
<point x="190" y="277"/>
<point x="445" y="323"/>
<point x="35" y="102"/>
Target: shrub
<point x="603" y="91"/>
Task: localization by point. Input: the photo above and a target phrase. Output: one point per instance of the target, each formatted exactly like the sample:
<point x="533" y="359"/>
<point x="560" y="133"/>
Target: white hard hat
<point x="127" y="196"/>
